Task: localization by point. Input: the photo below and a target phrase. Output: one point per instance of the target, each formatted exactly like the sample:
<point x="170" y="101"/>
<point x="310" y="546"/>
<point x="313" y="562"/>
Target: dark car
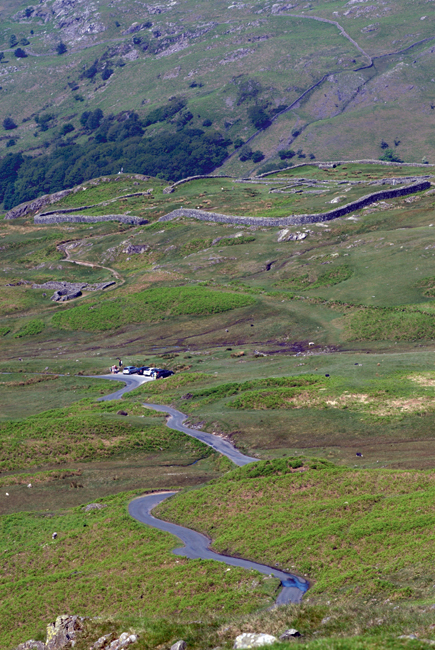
<point x="144" y="370"/>
<point x="161" y="374"/>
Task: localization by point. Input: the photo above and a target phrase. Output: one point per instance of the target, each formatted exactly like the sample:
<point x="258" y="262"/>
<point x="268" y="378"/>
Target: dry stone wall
<point x="81" y="218"/>
<point x="294" y="220"/>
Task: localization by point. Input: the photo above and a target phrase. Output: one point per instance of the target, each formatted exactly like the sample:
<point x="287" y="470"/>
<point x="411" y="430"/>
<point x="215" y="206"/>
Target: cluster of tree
<point x="170" y="155"/>
<point x="165" y="112"/>
<point x="389" y="155"/>
<point x="246" y="153"/>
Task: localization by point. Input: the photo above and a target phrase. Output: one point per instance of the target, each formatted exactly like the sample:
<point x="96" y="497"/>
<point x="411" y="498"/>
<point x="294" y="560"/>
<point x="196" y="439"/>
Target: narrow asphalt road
<point x="196" y="545"/>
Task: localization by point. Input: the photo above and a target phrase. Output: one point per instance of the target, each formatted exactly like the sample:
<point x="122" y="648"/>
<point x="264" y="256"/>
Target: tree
<point x="284" y="154"/>
<point x="258" y="117"/>
<point x="384" y="145"/>
<point x="61" y="48"/>
<point x="390" y="156"/>
<point x="9" y="124"/>
<point x="20" y="53"/>
<point x="24" y="41"/>
<point x="106" y="74"/>
<point x="207" y="122"/>
<point x="67" y="128"/>
<point x="2" y="56"/>
<point x="257" y="156"/>
<point x="13" y="40"/>
<point x="11" y="143"/>
<point x="245" y="153"/>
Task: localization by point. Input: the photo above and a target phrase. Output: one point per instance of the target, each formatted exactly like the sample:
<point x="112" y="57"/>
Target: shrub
<point x="384" y="145"/>
<point x="238" y="142"/>
<point x="257" y="156"/>
<point x="67" y="128"/>
<point x="11" y="143"/>
<point x="32" y="328"/>
<point x="9" y="124"/>
<point x="90" y="72"/>
<point x="13" y="40"/>
<point x="61" y="48"/>
<point x="20" y="53"/>
<point x="2" y="56"/>
<point x="245" y="153"/>
<point x="390" y="156"/>
<point x="207" y="122"/>
<point x="286" y="154"/>
<point x="258" y="116"/>
<point x="106" y="74"/>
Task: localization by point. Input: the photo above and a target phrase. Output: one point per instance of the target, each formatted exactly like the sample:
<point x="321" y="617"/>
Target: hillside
<point x="339" y="80"/>
<point x="306" y="340"/>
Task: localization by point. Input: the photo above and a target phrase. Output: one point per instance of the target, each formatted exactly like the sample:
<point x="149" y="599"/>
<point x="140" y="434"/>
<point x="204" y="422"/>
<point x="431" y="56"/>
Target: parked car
<point x="130" y="370"/>
<point x="146" y="371"/>
<point x="161" y="374"/>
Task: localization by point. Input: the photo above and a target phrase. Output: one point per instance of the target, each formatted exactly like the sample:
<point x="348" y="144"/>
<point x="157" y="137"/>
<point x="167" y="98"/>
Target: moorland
<point x="309" y="347"/>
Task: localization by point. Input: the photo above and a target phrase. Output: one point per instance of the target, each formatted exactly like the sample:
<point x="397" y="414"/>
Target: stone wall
<point x="171" y="188"/>
<point x="332" y="164"/>
<point x="81" y="218"/>
<point x="33" y="206"/>
<point x="294" y="220"/>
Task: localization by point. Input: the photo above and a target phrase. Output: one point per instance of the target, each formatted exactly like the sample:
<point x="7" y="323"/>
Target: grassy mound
<point x="352" y="532"/>
<point x="391" y="324"/>
<point x="84" y="431"/>
<point x="103" y="562"/>
<point x="150" y="305"/>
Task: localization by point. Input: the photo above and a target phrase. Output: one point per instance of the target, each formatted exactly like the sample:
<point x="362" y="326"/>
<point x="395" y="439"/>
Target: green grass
<point x="391" y="324"/>
<point x="365" y="533"/>
<point x="91" y="570"/>
<point x="149" y="305"/>
<point x="82" y="432"/>
<point x="32" y="328"/>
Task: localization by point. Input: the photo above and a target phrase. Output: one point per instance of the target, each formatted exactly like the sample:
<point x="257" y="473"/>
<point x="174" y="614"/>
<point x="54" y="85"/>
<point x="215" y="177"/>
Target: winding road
<point x="196" y="545"/>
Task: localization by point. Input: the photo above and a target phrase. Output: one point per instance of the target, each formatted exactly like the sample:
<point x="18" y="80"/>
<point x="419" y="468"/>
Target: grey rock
<point x="180" y="645"/>
<point x="63" y="632"/>
<point x="136" y="249"/>
<point x="289" y="634"/>
<point x="32" y="645"/>
<point x="248" y="640"/>
<point x="94" y="506"/>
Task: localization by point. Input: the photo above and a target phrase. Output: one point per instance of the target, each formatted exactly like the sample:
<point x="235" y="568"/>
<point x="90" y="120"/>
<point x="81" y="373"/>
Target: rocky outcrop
<point x="58" y="217"/>
<point x="65" y="632"/>
<point x="136" y="249"/>
<point x="68" y="290"/>
<point x="294" y="220"/>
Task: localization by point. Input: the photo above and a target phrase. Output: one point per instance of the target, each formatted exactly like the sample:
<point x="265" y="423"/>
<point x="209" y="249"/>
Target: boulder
<point x="124" y="641"/>
<point x="180" y="645"/>
<point x="289" y="634"/>
<point x="94" y="506"/>
<point x="63" y="632"/>
<point x="32" y="645"/>
<point x="248" y="640"/>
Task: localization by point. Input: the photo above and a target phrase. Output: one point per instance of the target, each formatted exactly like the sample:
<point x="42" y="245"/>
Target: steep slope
<point x="333" y="80"/>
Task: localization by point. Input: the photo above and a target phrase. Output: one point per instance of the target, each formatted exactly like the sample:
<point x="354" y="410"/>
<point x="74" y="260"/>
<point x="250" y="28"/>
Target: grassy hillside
<point x="329" y="80"/>
<point x="310" y="347"/>
<point x="353" y="532"/>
